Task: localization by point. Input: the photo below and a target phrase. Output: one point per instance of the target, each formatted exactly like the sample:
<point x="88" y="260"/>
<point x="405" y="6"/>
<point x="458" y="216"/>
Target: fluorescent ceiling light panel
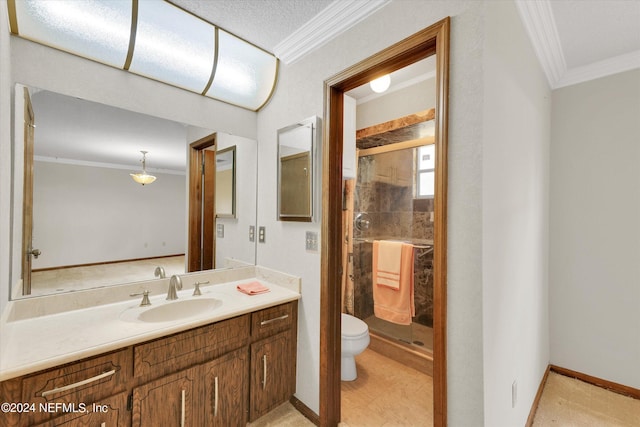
<point x="245" y="74"/>
<point x="173" y="46"/>
<point x="93" y="29"/>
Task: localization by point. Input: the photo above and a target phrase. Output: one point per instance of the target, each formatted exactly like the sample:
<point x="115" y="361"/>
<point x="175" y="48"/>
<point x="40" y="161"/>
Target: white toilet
<point x="355" y="338"/>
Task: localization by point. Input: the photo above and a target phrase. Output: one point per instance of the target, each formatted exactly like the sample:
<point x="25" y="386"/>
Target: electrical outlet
<point x="311" y="241"/>
<point x="252" y="233"/>
<point x="514" y="393"/>
<point x="261" y="234"/>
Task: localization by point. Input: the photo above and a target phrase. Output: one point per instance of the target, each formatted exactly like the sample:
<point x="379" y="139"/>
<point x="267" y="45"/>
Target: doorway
<point x="202" y="173"/>
<point x="433" y="40"/>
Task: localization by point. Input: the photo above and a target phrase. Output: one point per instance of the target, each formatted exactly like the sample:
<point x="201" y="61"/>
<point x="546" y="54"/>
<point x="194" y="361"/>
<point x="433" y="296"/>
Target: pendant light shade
<point x="143" y="177"/>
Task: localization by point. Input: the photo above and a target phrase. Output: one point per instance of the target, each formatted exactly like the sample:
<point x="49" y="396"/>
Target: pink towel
<point x="252" y="288"/>
<point x="395" y="305"/>
<point x="388" y="271"/>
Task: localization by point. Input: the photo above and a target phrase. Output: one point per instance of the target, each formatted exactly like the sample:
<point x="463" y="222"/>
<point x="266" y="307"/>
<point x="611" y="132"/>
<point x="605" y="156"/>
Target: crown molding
<point x="607" y="67"/>
<point x="335" y="19"/>
<point x="539" y="23"/>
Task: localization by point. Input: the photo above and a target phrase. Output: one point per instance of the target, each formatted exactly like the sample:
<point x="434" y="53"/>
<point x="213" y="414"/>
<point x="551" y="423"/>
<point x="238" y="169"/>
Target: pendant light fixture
<point x="142" y="177"/>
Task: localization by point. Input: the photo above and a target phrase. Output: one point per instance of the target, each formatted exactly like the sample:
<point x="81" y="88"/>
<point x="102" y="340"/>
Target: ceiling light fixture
<point x="143" y="177"/>
<point x="380" y="84"/>
<point x="157" y="40"/>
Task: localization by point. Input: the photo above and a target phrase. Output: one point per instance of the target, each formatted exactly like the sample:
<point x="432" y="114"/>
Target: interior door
<point x="209" y="210"/>
<point x="27" y="205"/>
<point x="202" y="171"/>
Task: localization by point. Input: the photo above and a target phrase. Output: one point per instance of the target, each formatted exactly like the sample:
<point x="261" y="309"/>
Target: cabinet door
<point x="272" y="369"/>
<point x="109" y="412"/>
<point x="225" y="390"/>
<point x="168" y="401"/>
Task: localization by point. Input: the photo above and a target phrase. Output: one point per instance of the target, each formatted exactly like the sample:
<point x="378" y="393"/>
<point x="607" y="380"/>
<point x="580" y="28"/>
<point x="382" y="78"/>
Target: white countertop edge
<point x="52" y="358"/>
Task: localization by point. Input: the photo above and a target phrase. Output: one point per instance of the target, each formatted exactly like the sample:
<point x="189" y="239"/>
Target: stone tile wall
<point x="393" y="213"/>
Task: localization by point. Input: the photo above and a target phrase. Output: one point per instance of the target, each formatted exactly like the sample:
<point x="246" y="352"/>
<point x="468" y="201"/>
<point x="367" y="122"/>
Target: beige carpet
<point x="569" y="402"/>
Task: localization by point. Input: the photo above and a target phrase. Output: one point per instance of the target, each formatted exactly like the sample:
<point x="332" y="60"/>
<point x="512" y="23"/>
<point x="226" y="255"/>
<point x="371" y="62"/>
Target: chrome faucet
<point x="159" y="272"/>
<point x="174" y="283"/>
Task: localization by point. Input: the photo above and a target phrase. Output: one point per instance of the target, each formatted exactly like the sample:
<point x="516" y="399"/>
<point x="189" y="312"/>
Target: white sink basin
<point x="171" y="311"/>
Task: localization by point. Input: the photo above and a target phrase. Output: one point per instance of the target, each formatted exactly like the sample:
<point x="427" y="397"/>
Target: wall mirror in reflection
<point x="296" y="170"/>
<point x="226" y="182"/>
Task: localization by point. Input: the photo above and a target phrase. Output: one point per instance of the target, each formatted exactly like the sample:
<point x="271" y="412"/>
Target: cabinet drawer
<point x="111" y="412"/>
<point x="171" y="354"/>
<point x="86" y="382"/>
<point x="272" y="320"/>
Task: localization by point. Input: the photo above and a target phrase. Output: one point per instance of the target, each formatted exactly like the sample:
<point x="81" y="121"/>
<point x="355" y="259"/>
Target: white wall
<point x="299" y="95"/>
<point x="235" y="243"/>
<point x="86" y="214"/>
<point x="595" y="228"/>
<point x="515" y="181"/>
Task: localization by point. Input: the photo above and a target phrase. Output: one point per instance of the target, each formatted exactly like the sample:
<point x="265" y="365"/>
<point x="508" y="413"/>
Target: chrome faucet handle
<point x="196" y="291"/>
<point x="145" y="297"/>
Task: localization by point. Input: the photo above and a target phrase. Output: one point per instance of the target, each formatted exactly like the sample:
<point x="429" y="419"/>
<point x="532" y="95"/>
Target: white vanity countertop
<point x="30" y="345"/>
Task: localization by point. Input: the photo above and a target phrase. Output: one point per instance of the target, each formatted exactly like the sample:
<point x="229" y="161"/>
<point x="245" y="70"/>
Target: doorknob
<point x="35" y="252"/>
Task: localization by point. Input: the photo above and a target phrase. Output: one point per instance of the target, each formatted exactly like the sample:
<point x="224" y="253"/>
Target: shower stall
<point x="392" y="199"/>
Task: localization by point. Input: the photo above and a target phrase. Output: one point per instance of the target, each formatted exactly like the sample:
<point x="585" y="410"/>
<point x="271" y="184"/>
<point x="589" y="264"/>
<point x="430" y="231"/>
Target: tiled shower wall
<point x="393" y="213"/>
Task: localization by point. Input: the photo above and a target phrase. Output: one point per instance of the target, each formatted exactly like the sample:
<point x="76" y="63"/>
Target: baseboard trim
<point x="536" y="400"/>
<point x="305" y="410"/>
<point x="609" y="385"/>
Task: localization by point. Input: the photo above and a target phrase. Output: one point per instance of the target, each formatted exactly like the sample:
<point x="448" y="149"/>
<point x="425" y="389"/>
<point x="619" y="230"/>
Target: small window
<point x="425" y="176"/>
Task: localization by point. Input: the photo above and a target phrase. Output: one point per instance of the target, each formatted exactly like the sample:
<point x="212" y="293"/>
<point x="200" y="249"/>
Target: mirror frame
<point x="314" y="123"/>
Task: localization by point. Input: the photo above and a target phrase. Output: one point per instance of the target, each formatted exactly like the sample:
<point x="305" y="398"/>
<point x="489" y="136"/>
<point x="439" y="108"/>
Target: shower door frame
<point x="433" y="40"/>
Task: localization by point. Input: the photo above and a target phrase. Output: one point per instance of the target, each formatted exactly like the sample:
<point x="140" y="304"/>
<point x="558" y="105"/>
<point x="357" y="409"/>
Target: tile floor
<point x="393" y="395"/>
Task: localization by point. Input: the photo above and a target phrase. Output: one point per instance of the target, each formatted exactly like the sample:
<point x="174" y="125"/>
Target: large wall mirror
<point x="92" y="225"/>
<point x="296" y="158"/>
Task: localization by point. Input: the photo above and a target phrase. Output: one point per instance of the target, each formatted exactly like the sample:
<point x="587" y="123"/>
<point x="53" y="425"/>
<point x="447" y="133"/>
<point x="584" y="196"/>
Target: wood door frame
<point x="433" y="40"/>
<point x="194" y="236"/>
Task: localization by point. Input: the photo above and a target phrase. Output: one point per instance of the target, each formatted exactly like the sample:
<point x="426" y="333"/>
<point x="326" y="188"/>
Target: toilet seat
<point x="353" y="328"/>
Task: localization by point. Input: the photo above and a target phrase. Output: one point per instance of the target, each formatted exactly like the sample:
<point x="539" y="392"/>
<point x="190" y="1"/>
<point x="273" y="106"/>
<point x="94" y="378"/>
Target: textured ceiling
<point x="591" y="31"/>
<point x="265" y="23"/>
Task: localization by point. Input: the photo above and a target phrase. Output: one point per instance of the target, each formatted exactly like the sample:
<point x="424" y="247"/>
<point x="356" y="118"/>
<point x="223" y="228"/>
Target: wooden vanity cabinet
<point x="222" y="374"/>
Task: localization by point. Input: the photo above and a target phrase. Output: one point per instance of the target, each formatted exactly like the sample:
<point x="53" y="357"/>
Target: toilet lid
<point x="352" y="326"/>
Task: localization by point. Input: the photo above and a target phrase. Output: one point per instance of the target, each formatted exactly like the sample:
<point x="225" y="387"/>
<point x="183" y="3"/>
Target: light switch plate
<point x="261" y="234"/>
<point x="220" y="230"/>
<point x="252" y="233"/>
<point x="311" y="241"/>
